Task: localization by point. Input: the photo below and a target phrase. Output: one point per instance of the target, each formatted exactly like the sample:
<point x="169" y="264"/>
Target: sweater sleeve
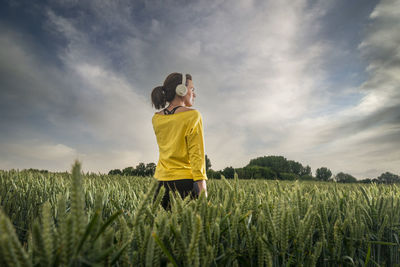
<point x="195" y="144"/>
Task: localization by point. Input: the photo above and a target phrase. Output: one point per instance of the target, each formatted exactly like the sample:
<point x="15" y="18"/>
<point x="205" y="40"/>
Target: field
<point x="85" y="219"/>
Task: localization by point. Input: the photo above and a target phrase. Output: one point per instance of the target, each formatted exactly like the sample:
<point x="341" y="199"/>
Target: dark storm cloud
<point x="30" y="89"/>
<point x="385" y="116"/>
<point x="381" y="103"/>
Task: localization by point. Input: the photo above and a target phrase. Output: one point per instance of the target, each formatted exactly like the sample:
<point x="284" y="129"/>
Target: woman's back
<point x="181" y="145"/>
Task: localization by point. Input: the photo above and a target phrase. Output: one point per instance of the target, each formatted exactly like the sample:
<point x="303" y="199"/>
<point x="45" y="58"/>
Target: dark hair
<point x="166" y="93"/>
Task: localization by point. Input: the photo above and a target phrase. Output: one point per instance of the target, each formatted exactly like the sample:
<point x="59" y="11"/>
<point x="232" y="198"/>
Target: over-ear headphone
<point x="181" y="89"/>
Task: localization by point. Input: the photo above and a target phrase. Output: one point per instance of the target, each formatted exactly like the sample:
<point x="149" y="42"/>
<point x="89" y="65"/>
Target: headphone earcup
<point x="181" y="90"/>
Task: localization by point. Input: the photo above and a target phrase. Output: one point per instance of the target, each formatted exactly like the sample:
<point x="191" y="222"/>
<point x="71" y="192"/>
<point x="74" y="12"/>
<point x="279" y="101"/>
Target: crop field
<point x="82" y="219"/>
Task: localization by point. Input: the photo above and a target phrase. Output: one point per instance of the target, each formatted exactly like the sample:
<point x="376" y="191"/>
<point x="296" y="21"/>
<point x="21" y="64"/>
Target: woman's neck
<point x="175" y="103"/>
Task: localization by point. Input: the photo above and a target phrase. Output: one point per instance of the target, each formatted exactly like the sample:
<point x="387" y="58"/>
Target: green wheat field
<point x="82" y="219"/>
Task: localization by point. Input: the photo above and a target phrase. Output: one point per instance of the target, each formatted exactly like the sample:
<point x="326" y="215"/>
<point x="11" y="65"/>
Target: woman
<point x="179" y="132"/>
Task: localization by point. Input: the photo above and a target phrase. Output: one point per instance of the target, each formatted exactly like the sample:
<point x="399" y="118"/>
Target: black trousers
<point x="184" y="187"/>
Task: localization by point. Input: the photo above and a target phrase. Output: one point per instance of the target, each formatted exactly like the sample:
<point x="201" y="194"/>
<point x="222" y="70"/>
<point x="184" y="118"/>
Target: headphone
<point x="181" y="89"/>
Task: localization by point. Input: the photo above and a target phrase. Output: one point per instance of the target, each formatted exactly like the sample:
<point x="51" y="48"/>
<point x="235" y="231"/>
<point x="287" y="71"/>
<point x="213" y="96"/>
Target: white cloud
<point x="44" y="151"/>
<point x="37" y="154"/>
<point x="105" y="160"/>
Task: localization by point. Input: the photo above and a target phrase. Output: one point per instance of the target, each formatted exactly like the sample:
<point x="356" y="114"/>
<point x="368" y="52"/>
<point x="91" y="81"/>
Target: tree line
<point x="267" y="167"/>
<point x="279" y="168"/>
<point x="140" y="170"/>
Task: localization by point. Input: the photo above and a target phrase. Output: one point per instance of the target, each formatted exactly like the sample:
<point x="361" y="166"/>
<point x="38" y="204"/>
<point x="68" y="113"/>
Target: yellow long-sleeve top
<point x="180" y="141"/>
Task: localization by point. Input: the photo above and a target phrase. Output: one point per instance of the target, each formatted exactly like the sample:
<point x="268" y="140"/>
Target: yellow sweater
<point x="181" y="146"/>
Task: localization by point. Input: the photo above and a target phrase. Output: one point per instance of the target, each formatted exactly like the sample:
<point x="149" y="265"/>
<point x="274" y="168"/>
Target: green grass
<point x="77" y="220"/>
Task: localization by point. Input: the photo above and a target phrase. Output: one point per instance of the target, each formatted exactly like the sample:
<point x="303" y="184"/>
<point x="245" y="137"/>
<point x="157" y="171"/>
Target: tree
<point x="229" y="172"/>
<point x="208" y="163"/>
<point x="276" y="163"/>
<point x="279" y="164"/>
<point x="150" y="169"/>
<point x="115" y="172"/>
<point x="140" y="169"/>
<point x="388" y="178"/>
<point x="306" y="178"/>
<point x="255" y="172"/>
<point x="288" y="176"/>
<point x="213" y="174"/>
<point x="128" y="171"/>
<point x="366" y="181"/>
<point x="295" y="167"/>
<point x="305" y="171"/>
<point x="323" y="174"/>
<point x="345" y="178"/>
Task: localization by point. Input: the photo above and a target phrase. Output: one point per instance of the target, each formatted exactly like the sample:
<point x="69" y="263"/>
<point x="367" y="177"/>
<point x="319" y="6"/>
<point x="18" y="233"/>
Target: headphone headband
<point x="183" y="79"/>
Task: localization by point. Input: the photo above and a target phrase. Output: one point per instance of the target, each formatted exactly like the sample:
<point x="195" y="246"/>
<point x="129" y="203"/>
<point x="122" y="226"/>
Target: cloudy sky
<point x="315" y="81"/>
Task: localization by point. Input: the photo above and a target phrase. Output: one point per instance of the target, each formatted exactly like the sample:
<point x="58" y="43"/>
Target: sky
<point x="314" y="81"/>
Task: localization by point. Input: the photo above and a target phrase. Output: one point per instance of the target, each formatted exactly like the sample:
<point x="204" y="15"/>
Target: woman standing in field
<point x="179" y="131"/>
